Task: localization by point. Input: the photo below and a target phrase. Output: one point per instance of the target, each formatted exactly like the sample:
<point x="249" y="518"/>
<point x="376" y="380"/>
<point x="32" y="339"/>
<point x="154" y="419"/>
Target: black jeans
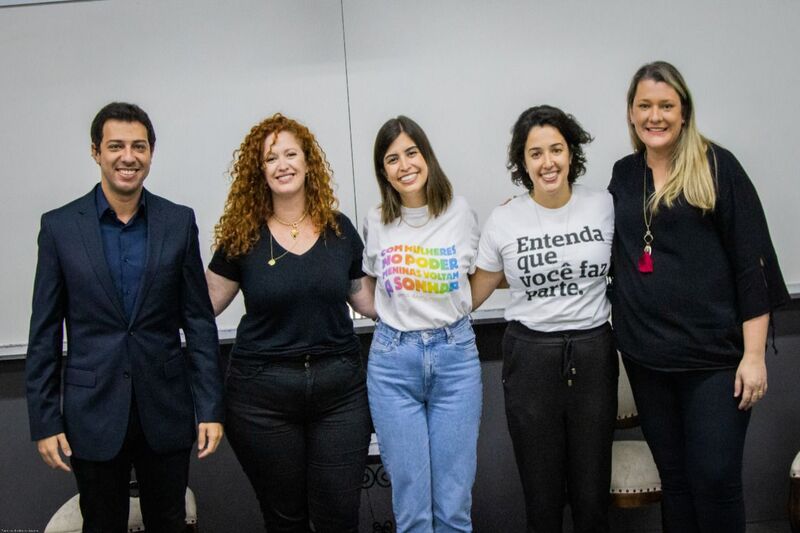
<point x="162" y="478"/>
<point x="561" y="403"/>
<point x="696" y="433"/>
<point x="300" y="428"/>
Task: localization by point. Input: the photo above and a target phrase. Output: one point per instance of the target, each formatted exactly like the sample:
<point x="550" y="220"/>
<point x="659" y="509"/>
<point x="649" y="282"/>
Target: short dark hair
<point x="124" y="112"/>
<point x="545" y="115"/>
<point x="438" y="190"/>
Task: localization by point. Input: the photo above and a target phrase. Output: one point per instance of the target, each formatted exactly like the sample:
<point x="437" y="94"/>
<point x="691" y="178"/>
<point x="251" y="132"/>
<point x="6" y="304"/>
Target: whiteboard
<point x="206" y="71"/>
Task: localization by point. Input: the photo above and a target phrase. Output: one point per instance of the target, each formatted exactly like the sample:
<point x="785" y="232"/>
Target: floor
<point x="774" y="526"/>
<point x="781" y="526"/>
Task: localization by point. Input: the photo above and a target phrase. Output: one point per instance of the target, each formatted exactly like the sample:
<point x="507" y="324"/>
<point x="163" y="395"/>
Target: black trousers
<point x="696" y="432"/>
<point x="561" y="404"/>
<point x="300" y="428"/>
<point x="162" y="478"/>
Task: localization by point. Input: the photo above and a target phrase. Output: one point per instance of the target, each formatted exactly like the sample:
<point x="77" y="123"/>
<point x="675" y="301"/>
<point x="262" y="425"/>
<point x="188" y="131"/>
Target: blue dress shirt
<point x="125" y="247"/>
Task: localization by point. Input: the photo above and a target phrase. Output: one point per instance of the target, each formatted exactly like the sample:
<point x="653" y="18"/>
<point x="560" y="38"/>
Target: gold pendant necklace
<point x="272" y="258"/>
<point x="295" y="230"/>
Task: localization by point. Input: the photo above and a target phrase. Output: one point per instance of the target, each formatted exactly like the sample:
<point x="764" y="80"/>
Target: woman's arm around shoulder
<point x="488" y="274"/>
<point x="483" y="283"/>
<point x="221" y="290"/>
<point x="469" y="225"/>
<point x="361" y="293"/>
<point x="362" y="296"/>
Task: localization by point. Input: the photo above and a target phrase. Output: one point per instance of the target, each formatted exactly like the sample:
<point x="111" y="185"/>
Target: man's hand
<point x="209" y="435"/>
<point x="50" y="448"/>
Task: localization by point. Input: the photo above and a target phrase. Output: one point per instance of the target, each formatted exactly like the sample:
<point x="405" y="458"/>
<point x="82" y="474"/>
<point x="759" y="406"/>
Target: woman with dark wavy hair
<point x="695" y="281"/>
<point x="553" y="247"/>
<point x="297" y="412"/>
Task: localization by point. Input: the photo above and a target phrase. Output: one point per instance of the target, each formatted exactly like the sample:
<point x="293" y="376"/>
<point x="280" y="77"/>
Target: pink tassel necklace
<point x="646" y="259"/>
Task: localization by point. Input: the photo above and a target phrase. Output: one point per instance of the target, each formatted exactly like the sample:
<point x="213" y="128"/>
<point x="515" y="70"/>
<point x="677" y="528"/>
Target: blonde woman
<point x="696" y="278"/>
<point x="298" y="418"/>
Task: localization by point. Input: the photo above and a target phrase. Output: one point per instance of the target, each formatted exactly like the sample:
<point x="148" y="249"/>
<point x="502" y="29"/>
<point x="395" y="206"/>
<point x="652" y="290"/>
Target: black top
<point x="710" y="273"/>
<point x="299" y="305"/>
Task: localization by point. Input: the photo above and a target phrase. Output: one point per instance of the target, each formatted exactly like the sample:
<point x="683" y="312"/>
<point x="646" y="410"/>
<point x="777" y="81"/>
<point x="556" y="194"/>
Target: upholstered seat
<point x="634" y="476"/>
<point x="68" y="518"/>
<point x="627" y="414"/>
<point x="794" y="494"/>
<point x="374" y="453"/>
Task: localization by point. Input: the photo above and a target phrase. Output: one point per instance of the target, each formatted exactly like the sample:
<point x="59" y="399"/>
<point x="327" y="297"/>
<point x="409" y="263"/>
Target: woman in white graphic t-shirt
<point x="424" y="376"/>
<point x="553" y="247"/>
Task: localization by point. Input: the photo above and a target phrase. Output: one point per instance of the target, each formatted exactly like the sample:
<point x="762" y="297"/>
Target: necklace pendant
<point x="295" y="232"/>
<point x="271" y="261"/>
<point x="646" y="261"/>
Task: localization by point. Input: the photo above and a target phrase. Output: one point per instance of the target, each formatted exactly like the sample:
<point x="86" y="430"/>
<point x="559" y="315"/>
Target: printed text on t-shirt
<point x="419" y="270"/>
<point x="538" y="261"/>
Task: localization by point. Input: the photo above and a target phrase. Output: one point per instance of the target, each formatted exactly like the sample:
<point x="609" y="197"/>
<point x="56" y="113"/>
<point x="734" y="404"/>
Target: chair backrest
<point x="627" y="414"/>
<point x="634" y="476"/>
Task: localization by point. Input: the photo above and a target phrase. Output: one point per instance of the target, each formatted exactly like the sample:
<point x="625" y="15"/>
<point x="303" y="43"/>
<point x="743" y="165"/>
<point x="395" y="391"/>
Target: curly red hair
<point x="249" y="203"/>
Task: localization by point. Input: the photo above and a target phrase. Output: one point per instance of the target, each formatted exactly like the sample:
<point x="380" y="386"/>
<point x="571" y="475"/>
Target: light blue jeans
<point x="425" y="396"/>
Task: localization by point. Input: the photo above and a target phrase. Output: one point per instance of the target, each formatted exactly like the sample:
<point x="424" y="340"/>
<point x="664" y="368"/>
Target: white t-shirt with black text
<point x="555" y="260"/>
<point x="421" y="265"/>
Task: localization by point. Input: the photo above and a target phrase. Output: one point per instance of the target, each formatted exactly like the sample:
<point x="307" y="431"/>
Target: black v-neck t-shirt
<point x="298" y="306"/>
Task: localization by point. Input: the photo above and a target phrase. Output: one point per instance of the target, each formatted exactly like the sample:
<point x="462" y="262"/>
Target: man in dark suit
<point x="121" y="268"/>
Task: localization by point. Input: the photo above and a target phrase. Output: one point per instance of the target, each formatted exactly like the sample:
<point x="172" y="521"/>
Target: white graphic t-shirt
<point x="555" y="260"/>
<point x="421" y="265"/>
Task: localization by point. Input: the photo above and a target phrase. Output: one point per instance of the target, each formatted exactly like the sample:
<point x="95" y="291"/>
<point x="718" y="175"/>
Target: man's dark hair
<point x="124" y="112"/>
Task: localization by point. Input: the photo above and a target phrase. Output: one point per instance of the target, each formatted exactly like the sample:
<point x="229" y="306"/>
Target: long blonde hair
<point x="689" y="173"/>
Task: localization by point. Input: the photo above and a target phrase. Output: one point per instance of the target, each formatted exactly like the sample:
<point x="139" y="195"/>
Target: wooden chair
<point x="634" y="476"/>
<point x="375" y="476"/>
<point x="68" y="518"/>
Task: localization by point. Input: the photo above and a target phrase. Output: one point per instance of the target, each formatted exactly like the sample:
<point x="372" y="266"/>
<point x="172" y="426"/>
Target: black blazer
<point x="107" y="354"/>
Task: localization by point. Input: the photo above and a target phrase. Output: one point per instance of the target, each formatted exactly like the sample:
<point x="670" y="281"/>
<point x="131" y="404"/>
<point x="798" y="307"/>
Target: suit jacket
<point x="108" y="354"/>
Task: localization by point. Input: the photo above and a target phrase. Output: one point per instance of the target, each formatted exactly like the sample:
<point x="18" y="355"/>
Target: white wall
<point x="206" y="71"/>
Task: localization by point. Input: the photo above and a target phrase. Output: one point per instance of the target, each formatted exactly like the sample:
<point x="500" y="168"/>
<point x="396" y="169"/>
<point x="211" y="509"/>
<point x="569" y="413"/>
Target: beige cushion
<point x="374" y="448"/>
<point x="626" y="407"/>
<point x="632" y="468"/>
<point x="795" y="470"/>
<point x="68" y="518"/>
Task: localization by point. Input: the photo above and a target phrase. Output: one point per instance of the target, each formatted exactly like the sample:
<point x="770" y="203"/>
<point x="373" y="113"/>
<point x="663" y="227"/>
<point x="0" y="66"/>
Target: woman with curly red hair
<point x="297" y="412"/>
